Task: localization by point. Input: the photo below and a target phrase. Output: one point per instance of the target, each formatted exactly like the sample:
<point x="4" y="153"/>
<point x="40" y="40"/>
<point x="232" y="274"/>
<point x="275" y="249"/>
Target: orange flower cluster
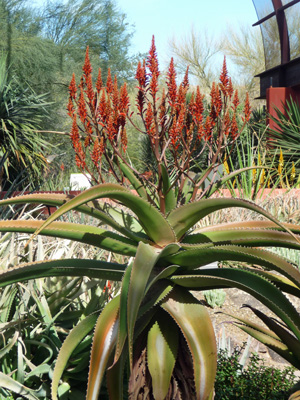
<point x="177" y="122"/>
<point x="99" y="116"/>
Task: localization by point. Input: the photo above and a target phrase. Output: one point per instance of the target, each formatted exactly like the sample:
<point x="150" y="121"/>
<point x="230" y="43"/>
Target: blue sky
<point x="174" y="18"/>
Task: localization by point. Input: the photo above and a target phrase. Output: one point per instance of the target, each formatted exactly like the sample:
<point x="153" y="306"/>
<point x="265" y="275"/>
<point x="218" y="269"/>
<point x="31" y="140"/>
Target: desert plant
<point x="21" y="113"/>
<point x="286" y="136"/>
<point x="155" y="317"/>
<point x="256" y="381"/>
<point x="214" y="298"/>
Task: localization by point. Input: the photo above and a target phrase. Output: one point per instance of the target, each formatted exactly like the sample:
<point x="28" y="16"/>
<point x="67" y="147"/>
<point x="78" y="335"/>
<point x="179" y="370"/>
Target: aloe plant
<point x="156" y="283"/>
<point x="155" y="324"/>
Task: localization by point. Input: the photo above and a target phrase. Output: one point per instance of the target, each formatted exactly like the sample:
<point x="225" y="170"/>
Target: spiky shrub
<point x="155" y="323"/>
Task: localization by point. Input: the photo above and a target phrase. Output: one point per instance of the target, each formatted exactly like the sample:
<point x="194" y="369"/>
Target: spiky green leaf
<point x="76" y="335"/>
<point x="105" y="338"/>
<point x="195" y="324"/>
<point x="153" y="223"/>
<point x="162" y="346"/>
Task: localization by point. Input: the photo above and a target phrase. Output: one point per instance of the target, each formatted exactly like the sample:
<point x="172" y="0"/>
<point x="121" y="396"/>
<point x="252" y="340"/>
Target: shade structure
<point x="279" y="21"/>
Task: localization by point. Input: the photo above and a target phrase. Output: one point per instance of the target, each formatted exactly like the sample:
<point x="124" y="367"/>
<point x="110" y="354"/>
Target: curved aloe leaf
<point x="76" y="335"/>
<point x="115" y="378"/>
<point x="135" y="182"/>
<point x="253" y="238"/>
<point x="249" y="282"/>
<point x="122" y="333"/>
<point x="295" y="396"/>
<point x="154" y="224"/>
<point x="195" y="324"/>
<point x="184" y="217"/>
<point x="67" y="267"/>
<point x="250" y="225"/>
<point x="8" y="383"/>
<point x="169" y="195"/>
<point x="220" y="182"/>
<point x="58" y="200"/>
<point x="198" y="256"/>
<point x="4" y="350"/>
<point x="105" y="338"/>
<point x="82" y="233"/>
<point x="284" y="284"/>
<point x="162" y="346"/>
<point x="286" y="337"/>
<point x="143" y="265"/>
<point x="273" y="344"/>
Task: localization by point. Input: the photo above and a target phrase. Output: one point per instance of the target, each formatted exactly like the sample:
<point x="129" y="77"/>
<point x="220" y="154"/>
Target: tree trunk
<point x="182" y="385"/>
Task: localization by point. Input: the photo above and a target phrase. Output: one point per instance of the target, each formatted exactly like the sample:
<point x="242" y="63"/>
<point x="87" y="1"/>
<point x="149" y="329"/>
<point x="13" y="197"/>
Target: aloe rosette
<point x="155" y="321"/>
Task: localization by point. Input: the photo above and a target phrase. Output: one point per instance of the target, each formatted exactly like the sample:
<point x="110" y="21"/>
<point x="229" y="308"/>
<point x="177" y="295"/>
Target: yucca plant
<point x="155" y="324"/>
<point x="21" y="114"/>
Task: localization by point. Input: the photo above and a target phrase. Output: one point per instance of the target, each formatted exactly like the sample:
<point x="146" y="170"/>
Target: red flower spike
<point x="181" y="98"/>
<point x="216" y="102"/>
<point x="149" y="122"/>
<point x="162" y="108"/>
<point x="87" y="141"/>
<point x="224" y="78"/>
<point x="97" y="151"/>
<point x="70" y="107"/>
<point x="234" y="128"/>
<point x="124" y="140"/>
<point x="109" y="82"/>
<point x="236" y="100"/>
<point x="200" y="132"/>
<point x="90" y="90"/>
<point x="111" y="131"/>
<point x="62" y="167"/>
<point x="140" y="75"/>
<point x="230" y="88"/>
<point x="152" y="61"/>
<point x="152" y="64"/>
<point x="208" y="128"/>
<point x="74" y="132"/>
<point x="80" y="157"/>
<point x="87" y="68"/>
<point x="81" y="107"/>
<point x="197" y="109"/>
<point x="124" y="99"/>
<point x="247" y="108"/>
<point x="227" y="123"/>
<point x="176" y="128"/>
<point x="185" y="83"/>
<point x="171" y="83"/>
<point x="72" y="87"/>
<point x="99" y="82"/>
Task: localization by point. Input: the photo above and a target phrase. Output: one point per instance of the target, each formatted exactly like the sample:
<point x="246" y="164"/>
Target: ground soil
<point x="234" y="301"/>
